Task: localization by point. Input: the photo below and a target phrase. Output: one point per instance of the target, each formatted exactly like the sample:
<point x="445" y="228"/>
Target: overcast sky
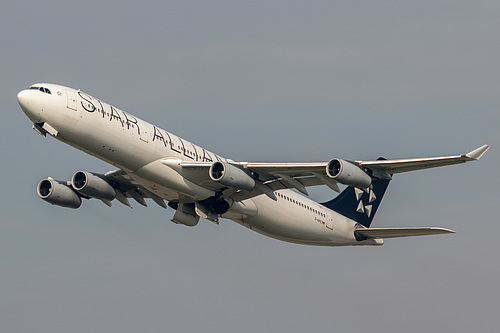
<point x="262" y="81"/>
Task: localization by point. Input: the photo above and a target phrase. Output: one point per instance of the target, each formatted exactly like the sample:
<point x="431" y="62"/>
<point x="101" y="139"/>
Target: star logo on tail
<point x="370" y="196"/>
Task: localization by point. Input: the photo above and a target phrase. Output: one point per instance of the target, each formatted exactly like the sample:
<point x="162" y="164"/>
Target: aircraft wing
<point x="275" y="176"/>
<point x="401" y="232"/>
<point x="412" y="164"/>
<point x="126" y="187"/>
<point x="272" y="176"/>
<point x="390" y="166"/>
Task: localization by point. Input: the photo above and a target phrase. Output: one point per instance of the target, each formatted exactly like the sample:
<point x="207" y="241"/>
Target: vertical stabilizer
<point x="358" y="204"/>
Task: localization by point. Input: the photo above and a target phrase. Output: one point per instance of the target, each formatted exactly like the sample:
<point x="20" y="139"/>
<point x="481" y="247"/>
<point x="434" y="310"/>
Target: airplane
<point x="269" y="198"/>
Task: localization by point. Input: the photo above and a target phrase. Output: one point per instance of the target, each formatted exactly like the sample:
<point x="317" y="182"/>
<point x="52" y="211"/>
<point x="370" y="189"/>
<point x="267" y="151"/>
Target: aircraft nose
<point x="22" y="99"/>
<point x="26" y="102"/>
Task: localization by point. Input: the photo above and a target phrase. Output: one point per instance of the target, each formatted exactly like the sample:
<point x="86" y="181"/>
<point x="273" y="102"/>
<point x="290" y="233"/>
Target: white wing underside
<point x="300" y="175"/>
<point x="390" y="166"/>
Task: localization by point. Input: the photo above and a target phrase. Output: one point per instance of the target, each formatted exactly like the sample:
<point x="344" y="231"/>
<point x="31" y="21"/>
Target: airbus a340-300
<point x="269" y="198"/>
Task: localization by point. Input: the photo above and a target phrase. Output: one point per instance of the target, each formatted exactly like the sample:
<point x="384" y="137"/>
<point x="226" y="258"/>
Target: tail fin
<point x="358" y="204"/>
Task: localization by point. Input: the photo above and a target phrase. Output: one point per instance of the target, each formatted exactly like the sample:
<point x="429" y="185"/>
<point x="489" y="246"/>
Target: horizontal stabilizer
<point x="401" y="232"/>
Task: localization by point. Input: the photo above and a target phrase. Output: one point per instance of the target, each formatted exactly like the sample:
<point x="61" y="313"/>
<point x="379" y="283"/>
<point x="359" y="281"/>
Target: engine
<point x="92" y="186"/>
<point x="58" y="194"/>
<point x="231" y="176"/>
<point x="347" y="173"/>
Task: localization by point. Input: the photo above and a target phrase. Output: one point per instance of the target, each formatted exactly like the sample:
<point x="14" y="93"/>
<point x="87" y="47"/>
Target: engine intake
<point x="58" y="194"/>
<point x="231" y="176"/>
<point x="92" y="186"/>
<point x="347" y="173"/>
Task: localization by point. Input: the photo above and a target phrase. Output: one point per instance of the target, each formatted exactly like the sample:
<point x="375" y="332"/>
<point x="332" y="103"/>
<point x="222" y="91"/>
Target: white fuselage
<point x="141" y="149"/>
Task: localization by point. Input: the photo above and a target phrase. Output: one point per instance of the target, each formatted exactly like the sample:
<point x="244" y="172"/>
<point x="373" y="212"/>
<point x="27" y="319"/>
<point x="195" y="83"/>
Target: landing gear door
<point x="71" y="100"/>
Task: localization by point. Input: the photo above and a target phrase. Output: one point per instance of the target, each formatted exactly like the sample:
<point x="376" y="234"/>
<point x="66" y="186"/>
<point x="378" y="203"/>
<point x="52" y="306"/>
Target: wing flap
<point x="126" y="187"/>
<point x="401" y="232"/>
<point x="289" y="169"/>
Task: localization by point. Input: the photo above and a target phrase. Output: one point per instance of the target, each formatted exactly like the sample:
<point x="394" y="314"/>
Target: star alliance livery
<point x="269" y="198"/>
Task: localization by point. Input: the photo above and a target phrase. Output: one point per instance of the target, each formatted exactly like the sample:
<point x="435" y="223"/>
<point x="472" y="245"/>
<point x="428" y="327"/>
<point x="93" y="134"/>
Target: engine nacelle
<point x="231" y="176"/>
<point x="347" y="173"/>
<point x="92" y="186"/>
<point x="58" y="194"/>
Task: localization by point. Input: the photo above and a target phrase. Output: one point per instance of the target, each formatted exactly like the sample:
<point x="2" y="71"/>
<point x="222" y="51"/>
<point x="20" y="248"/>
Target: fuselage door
<point x="329" y="220"/>
<point x="71" y="100"/>
<point x="177" y="144"/>
<point x="143" y="135"/>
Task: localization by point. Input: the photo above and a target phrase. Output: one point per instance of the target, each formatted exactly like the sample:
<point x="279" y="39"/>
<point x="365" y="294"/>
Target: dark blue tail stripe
<point x="355" y="203"/>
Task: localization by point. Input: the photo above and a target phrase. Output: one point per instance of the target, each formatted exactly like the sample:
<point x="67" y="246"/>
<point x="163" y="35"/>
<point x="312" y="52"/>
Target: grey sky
<point x="261" y="81"/>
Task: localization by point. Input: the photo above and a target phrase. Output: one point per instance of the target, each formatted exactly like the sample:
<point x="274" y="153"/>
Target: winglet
<point x="476" y="154"/>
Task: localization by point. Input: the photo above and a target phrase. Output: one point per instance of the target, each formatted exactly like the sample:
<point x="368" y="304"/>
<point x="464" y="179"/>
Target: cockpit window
<point x="42" y="89"/>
